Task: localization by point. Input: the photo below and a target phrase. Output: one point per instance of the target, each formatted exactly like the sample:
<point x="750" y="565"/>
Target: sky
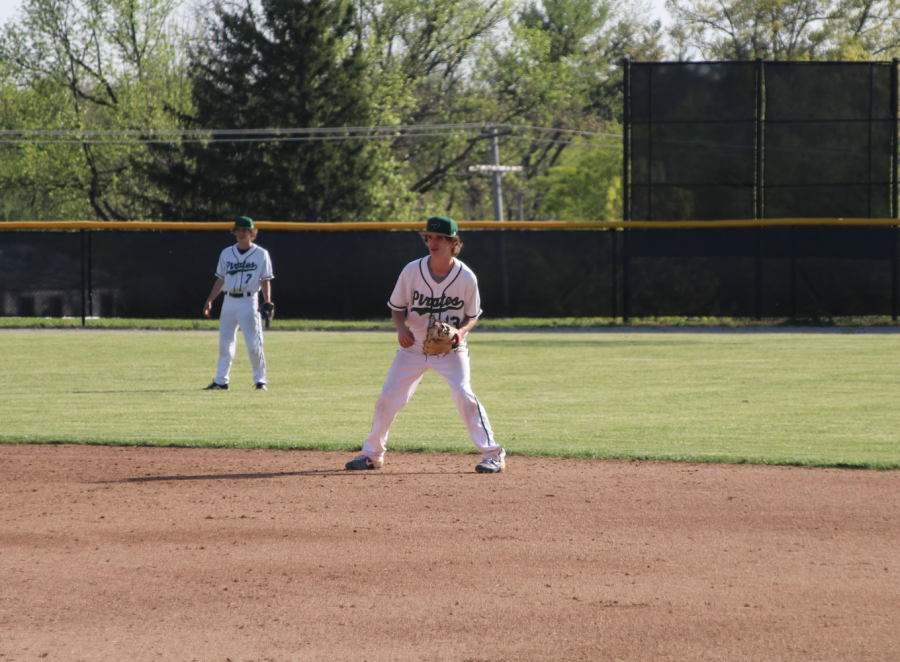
<point x="7" y="9"/>
<point x="658" y="9"/>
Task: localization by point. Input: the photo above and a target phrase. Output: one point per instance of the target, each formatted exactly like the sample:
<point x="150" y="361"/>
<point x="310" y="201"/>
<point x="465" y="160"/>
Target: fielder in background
<point x="243" y="270"/>
<point x="435" y="289"/>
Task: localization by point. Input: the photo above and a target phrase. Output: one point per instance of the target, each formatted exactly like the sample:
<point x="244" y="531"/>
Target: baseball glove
<point x="440" y="339"/>
<point x="267" y="310"/>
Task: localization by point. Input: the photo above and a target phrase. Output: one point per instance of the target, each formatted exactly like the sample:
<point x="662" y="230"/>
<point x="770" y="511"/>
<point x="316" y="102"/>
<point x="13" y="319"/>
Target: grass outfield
<point x="807" y="398"/>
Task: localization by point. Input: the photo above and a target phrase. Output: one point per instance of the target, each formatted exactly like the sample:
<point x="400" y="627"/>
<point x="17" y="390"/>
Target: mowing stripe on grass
<point x="818" y="399"/>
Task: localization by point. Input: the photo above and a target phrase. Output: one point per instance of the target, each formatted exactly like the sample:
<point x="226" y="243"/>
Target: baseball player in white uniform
<point x="440" y="286"/>
<point x="243" y="270"/>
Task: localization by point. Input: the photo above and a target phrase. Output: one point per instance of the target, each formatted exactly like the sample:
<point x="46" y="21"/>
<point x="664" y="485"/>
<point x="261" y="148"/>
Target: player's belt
<point x="238" y="295"/>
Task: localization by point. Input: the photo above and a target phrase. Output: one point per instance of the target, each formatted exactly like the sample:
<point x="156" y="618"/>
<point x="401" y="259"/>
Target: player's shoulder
<point x="415" y="265"/>
<point x="464" y="269"/>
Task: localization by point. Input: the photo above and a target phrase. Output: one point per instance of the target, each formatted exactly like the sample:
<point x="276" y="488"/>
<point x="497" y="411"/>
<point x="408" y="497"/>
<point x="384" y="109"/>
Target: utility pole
<point x="497" y="175"/>
<point x="497" y="172"/>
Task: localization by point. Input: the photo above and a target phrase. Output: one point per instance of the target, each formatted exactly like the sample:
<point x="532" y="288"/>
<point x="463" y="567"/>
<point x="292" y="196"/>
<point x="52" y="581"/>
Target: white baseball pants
<point x="244" y="314"/>
<point x="407" y="370"/>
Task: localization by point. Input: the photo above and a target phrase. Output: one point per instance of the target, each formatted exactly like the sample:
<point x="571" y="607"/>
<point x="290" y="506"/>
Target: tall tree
<point x="278" y="64"/>
<point x="561" y="70"/>
<point x="786" y="29"/>
<point x="425" y="54"/>
<point x="497" y="62"/>
<point x="86" y="69"/>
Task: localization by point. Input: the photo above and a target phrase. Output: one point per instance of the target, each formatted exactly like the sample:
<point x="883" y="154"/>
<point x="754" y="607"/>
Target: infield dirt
<point x="195" y="554"/>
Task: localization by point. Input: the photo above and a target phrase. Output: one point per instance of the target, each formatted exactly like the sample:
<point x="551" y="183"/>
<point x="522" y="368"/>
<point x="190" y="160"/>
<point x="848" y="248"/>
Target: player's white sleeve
<point x="473" y="298"/>
<point x="221" y="267"/>
<point x="400" y="296"/>
<point x="473" y="305"/>
<point x="267" y="272"/>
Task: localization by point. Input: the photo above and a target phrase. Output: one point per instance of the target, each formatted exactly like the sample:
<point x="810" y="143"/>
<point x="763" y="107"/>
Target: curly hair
<point x="456" y="241"/>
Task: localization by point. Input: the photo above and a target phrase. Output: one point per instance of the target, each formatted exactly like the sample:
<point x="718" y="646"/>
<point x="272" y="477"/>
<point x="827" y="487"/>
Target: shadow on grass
<point x="148" y="390"/>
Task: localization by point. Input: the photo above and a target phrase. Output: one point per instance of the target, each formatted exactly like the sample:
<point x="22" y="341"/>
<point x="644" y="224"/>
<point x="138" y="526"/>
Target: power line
<point x="564" y="142"/>
<point x="154" y="136"/>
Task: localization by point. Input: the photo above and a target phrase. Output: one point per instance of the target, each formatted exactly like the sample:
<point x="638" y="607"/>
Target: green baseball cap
<point x="442" y="225"/>
<point x="243" y="222"/>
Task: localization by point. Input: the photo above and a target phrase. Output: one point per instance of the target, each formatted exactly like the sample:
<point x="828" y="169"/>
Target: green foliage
<point x="587" y="185"/>
<point x="568" y="23"/>
<point x="787" y="29"/>
<point x="91" y="69"/>
<point x="40" y="181"/>
<point x="79" y="67"/>
<point x="428" y="51"/>
<point x="83" y="66"/>
<point x="560" y="69"/>
<point x="549" y="65"/>
<point x="279" y="64"/>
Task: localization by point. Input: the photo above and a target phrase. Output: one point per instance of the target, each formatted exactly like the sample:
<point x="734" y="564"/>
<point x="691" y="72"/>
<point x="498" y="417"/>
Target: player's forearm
<point x="266" y="287"/>
<point x="399" y="319"/>
<point x="404" y="335"/>
<point x="468" y="324"/>
<point x="216" y="290"/>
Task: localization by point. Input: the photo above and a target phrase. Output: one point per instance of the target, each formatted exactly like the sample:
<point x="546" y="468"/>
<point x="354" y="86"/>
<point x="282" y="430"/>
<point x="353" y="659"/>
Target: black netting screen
<point x="693" y="141"/>
<point x="753" y="140"/>
<point x="827" y="140"/>
<point x="744" y="140"/>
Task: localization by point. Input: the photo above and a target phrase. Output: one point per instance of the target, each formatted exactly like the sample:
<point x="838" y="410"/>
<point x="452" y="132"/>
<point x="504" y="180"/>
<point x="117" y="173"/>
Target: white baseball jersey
<point x="243" y="273"/>
<point x="419" y="294"/>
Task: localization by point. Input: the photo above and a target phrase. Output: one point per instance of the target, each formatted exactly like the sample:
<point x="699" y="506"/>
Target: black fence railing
<point x="794" y="272"/>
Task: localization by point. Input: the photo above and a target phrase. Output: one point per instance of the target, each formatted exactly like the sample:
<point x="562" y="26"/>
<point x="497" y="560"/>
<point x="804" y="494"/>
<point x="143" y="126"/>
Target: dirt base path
<point x="184" y="554"/>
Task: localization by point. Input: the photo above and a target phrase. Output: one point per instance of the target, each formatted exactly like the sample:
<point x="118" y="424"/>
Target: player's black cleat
<point x="216" y="387"/>
<point x="261" y="386"/>
<point x="361" y="463"/>
<point x="491" y="465"/>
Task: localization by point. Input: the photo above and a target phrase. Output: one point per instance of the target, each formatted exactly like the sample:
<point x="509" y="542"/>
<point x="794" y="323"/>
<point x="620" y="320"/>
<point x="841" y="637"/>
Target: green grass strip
<point x="812" y="399"/>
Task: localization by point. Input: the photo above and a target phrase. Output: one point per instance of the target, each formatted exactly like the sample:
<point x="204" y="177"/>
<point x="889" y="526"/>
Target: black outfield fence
<point x="575" y="270"/>
<point x="318" y="275"/>
<point x="790" y="271"/>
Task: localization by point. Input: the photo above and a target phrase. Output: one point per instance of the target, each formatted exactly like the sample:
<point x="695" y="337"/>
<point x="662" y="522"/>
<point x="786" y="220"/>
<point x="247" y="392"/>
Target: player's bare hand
<point x="207" y="309"/>
<point x="406" y="338"/>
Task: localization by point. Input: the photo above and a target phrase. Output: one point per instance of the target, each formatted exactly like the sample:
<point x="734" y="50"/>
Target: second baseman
<point x="436" y="286"/>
